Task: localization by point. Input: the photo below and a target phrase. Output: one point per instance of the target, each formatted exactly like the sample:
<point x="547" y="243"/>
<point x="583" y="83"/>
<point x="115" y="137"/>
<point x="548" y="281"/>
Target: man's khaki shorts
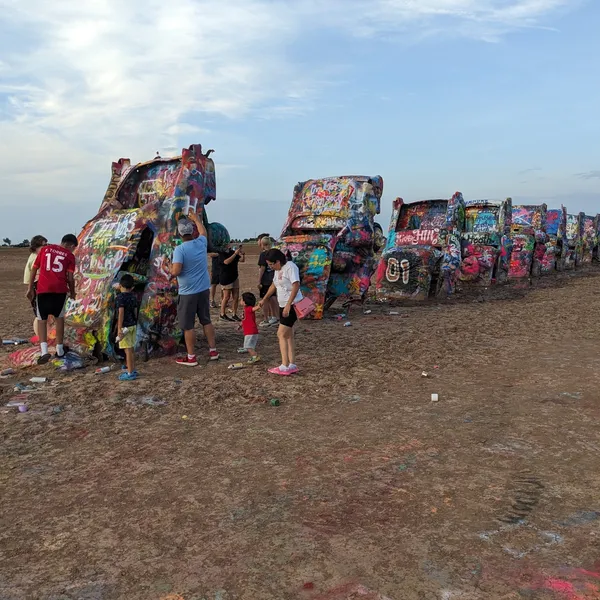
<point x="232" y="286"/>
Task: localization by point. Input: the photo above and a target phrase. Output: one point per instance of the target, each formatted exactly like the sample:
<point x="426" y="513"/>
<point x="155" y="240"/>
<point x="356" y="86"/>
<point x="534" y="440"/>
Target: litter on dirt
<point x="24" y="389"/>
<point x="434" y="398"/>
<point x="147" y="401"/>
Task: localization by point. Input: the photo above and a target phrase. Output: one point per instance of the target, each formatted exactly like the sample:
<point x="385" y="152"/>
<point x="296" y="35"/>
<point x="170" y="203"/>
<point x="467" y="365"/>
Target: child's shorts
<point x="128" y="340"/>
<point x="250" y="341"/>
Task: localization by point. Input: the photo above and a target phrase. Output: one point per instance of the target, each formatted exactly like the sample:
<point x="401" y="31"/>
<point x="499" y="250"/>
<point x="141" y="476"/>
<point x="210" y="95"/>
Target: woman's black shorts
<point x="289" y="320"/>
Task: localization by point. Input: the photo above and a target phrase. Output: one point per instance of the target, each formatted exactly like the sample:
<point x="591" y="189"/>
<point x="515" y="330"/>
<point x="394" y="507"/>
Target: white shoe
<point x="264" y="324"/>
<point x="273" y="321"/>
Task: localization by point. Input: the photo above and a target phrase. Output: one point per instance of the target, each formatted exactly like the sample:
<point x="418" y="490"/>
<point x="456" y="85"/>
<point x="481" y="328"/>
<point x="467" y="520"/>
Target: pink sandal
<point x="278" y="371"/>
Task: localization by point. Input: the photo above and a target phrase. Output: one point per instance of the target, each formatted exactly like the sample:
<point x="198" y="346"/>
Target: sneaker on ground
<point x="44" y="359"/>
<point x="128" y="376"/>
<point x="264" y="324"/>
<point x="225" y="318"/>
<point x="242" y="351"/>
<point x="213" y="355"/>
<point x="253" y="360"/>
<point x="187" y="361"/>
<point x="214" y="305"/>
<point x="273" y="321"/>
<point x="293" y="369"/>
<point x="235" y="318"/>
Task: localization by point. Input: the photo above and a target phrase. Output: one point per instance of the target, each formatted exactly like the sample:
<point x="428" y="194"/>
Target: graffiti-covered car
<point x="485" y="242"/>
<point x="589" y="239"/>
<point x="528" y="235"/>
<point x="135" y="231"/>
<point x="555" y="256"/>
<point x="574" y="240"/>
<point x="422" y="253"/>
<point x="332" y="236"/>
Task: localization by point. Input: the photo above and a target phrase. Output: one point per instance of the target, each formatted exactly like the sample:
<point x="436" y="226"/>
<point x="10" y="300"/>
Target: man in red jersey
<point x="56" y="265"/>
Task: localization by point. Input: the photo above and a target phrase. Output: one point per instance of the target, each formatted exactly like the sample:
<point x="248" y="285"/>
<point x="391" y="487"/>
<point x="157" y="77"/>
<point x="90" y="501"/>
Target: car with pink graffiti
<point x="332" y="236"/>
<point x="574" y="240"/>
<point x="135" y="232"/>
<point x="485" y="242"/>
<point x="555" y="256"/>
<point x="422" y="255"/>
<point x="590" y="240"/>
<point x="528" y="235"/>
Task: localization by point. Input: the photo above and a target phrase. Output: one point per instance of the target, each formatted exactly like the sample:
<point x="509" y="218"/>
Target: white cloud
<point x="85" y="82"/>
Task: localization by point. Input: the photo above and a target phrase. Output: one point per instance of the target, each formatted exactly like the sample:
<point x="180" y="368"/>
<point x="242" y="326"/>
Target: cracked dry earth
<point x="357" y="487"/>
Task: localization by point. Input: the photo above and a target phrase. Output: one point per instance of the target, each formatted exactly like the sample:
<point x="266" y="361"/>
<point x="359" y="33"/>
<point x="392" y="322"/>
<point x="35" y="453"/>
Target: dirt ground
<point x="357" y="487"/>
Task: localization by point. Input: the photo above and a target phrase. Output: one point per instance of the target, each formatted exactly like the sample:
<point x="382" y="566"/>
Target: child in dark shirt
<point x="249" y="327"/>
<point x="127" y="306"/>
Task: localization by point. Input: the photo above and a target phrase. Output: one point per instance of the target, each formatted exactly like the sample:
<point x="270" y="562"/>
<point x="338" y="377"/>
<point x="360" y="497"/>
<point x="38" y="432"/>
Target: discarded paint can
<point x="14" y="403"/>
<point x="23" y="408"/>
<point x="367" y="312"/>
<point x="347" y="324"/>
<point x="236" y="366"/>
<point x="434" y="397"/>
<point x="102" y="370"/>
<point x="393" y="312"/>
<point x="275" y="402"/>
<point x="424" y="374"/>
<point x="38" y="379"/>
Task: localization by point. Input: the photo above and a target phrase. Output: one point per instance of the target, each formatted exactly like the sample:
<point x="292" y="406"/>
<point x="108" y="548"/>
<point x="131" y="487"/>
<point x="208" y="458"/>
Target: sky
<point x="494" y="98"/>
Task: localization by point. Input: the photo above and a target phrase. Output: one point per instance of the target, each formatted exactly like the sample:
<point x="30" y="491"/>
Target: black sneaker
<point x="225" y="318"/>
<point x="44" y="359"/>
<point x="235" y="318"/>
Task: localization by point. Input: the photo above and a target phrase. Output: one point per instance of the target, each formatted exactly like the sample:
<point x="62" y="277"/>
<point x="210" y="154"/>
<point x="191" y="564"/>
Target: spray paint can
<point x="125" y="332"/>
<point x="38" y="379"/>
<point x="103" y="370"/>
<point x="347" y="324"/>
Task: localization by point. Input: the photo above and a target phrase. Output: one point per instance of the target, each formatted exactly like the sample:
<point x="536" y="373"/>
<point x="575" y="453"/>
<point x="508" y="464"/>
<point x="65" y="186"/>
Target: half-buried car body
<point x="422" y="253"/>
<point x="332" y="236"/>
<point x="486" y="245"/>
<point x="589" y="239"/>
<point x="135" y="231"/>
<point x="528" y="235"/>
<point x="555" y="256"/>
<point x="574" y="240"/>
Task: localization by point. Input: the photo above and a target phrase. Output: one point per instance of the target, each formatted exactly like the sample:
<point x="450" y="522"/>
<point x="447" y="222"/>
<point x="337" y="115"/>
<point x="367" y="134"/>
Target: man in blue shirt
<point x="190" y="266"/>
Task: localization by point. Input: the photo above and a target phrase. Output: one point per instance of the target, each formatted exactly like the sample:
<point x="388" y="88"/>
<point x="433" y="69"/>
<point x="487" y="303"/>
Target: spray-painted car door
<point x="314" y="255"/>
<point x="104" y="245"/>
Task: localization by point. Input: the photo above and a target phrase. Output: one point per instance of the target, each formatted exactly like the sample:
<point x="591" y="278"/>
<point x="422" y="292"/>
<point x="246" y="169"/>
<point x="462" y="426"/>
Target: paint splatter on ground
<point x="383" y="498"/>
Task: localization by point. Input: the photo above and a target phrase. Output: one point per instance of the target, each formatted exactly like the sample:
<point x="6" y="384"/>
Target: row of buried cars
<point x="432" y="247"/>
<point x="331" y="233"/>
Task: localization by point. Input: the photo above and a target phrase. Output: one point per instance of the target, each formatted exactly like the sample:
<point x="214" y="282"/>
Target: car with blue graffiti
<point x="422" y="254"/>
<point x="332" y="236"/>
<point x="528" y="235"/>
<point x="485" y="242"/>
<point x="574" y="240"/>
<point x="135" y="232"/>
<point x="555" y="256"/>
<point x="590" y="239"/>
